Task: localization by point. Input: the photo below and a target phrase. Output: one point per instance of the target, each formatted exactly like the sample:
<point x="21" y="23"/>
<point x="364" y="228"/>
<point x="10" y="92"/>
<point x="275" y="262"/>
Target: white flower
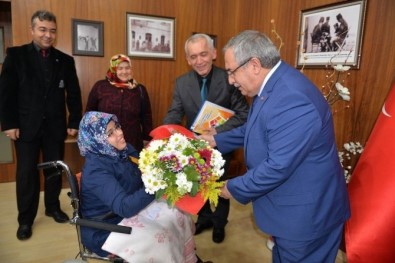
<point x="155" y="145"/>
<point x="184" y="186"/>
<point x="351" y="149"/>
<point x="216" y="160"/>
<point x="343" y="91"/>
<point x="341" y="68"/>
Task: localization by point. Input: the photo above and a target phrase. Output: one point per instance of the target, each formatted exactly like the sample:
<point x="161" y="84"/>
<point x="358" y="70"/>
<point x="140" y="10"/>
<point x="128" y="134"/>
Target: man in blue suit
<point x="294" y="178"/>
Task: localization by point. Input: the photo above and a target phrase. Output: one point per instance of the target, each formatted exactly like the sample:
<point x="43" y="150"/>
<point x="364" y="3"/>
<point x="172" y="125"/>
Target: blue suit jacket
<point x="294" y="178"/>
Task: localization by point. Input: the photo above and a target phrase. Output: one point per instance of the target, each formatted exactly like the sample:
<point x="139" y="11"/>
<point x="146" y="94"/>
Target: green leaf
<point x="192" y="174"/>
<point x="195" y="189"/>
<point x="159" y="194"/>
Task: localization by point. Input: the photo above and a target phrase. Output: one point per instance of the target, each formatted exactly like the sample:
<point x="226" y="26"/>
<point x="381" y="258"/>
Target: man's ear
<point x="214" y="53"/>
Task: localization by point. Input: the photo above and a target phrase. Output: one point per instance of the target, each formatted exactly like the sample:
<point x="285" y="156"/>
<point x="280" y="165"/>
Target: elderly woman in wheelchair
<point x="111" y="190"/>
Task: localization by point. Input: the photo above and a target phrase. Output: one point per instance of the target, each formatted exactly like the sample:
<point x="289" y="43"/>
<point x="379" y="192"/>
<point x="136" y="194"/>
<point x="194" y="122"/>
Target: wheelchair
<point x="79" y="221"/>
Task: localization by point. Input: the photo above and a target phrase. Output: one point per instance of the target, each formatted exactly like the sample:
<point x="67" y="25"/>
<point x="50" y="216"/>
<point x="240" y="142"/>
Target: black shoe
<point x="200" y="227"/>
<point x="24" y="232"/>
<point x="218" y="234"/>
<point x="58" y="215"/>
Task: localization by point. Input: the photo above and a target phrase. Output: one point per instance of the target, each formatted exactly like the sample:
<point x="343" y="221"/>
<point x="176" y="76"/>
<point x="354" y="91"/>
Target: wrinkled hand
<point x="209" y="138"/>
<point x="13" y="134"/>
<point x="72" y="132"/>
<point x="210" y="131"/>
<point x="225" y="192"/>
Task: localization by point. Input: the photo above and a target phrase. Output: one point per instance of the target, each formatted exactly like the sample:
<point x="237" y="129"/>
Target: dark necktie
<point x="203" y="90"/>
<point x="43" y="53"/>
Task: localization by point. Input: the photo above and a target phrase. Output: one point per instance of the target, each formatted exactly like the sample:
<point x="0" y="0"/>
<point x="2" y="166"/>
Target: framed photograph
<point x="150" y="36"/>
<point x="2" y="48"/>
<point x="213" y="37"/>
<point x="331" y="34"/>
<point x="88" y="38"/>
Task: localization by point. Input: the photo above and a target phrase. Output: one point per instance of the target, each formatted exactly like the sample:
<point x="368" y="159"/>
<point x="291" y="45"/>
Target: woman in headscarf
<point x="112" y="191"/>
<point x="120" y="94"/>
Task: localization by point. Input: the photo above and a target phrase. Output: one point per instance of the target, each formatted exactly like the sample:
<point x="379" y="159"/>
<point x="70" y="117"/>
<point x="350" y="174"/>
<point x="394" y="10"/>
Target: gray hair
<point x="253" y="44"/>
<point x="43" y="15"/>
<point x="195" y="37"/>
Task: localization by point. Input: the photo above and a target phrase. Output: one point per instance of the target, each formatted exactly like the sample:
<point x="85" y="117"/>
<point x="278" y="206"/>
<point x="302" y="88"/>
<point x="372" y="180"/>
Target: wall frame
<point x="2" y="45"/>
<point x="150" y="36"/>
<point x="331" y="34"/>
<point x="87" y="38"/>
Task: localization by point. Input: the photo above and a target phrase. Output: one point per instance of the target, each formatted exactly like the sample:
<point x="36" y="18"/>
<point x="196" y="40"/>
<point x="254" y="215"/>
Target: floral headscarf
<point x="112" y="72"/>
<point x="92" y="136"/>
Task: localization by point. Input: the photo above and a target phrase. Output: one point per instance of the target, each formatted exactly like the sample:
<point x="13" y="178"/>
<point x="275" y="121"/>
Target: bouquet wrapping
<point x="181" y="168"/>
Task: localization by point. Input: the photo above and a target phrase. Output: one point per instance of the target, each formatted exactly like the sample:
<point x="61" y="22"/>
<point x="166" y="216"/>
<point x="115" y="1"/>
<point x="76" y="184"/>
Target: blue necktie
<point x="203" y="90"/>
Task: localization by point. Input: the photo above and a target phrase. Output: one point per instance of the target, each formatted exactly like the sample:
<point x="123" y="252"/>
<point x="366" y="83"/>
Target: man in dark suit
<point x="34" y="81"/>
<point x="294" y="178"/>
<point x="187" y="100"/>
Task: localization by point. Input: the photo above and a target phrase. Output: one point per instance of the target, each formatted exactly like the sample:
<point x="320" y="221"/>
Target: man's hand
<point x="209" y="138"/>
<point x="210" y="131"/>
<point x="225" y="192"/>
<point x="13" y="134"/>
<point x="72" y="132"/>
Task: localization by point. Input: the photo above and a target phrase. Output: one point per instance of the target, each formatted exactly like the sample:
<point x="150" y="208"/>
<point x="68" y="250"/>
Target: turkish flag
<point x="370" y="232"/>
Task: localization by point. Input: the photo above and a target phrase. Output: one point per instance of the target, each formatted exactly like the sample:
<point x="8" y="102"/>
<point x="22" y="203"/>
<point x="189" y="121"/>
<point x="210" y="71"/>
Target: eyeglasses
<point x="232" y="72"/>
<point x="111" y="131"/>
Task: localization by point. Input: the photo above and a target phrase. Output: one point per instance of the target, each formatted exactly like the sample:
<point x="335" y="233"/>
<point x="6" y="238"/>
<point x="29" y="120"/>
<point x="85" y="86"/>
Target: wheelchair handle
<point x="65" y="167"/>
<point x="54" y="164"/>
<point x="47" y="165"/>
<point x="104" y="226"/>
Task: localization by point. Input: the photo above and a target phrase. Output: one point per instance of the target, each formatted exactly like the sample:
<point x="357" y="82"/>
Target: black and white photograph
<point x="87" y="38"/>
<point x="331" y="35"/>
<point x="150" y="36"/>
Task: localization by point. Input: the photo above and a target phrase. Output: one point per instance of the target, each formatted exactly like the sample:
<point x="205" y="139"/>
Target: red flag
<point x="370" y="232"/>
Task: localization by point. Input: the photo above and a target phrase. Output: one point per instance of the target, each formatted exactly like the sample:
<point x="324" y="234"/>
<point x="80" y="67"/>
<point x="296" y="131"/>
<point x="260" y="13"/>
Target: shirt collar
<point x="271" y="72"/>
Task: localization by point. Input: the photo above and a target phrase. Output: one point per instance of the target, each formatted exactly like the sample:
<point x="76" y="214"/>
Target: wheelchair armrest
<point x="102" y="225"/>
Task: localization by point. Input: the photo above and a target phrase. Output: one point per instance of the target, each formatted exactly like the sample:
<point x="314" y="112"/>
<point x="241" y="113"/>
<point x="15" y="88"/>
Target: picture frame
<point x="150" y="36"/>
<point x="2" y="45"/>
<point x="88" y="39"/>
<point x="331" y="34"/>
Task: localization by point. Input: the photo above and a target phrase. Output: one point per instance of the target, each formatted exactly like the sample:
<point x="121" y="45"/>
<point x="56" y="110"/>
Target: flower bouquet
<point x="181" y="168"/>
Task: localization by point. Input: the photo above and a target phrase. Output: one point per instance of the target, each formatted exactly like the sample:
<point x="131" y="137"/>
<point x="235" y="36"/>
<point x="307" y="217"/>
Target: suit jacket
<point x="25" y="102"/>
<point x="294" y="177"/>
<point x="187" y="100"/>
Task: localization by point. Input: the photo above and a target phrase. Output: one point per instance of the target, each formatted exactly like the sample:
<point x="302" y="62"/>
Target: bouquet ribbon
<point x="165" y="131"/>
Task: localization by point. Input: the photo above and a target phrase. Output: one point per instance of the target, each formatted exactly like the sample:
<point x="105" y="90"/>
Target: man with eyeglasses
<point x="37" y="82"/>
<point x="294" y="179"/>
<point x="187" y="101"/>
